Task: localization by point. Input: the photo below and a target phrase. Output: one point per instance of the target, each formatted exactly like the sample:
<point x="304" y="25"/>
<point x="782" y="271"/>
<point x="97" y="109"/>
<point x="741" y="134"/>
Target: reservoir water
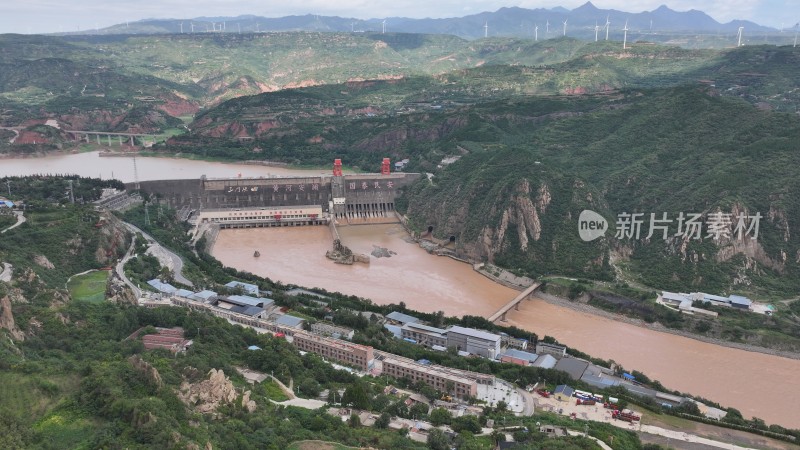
<point x="89" y="164"/>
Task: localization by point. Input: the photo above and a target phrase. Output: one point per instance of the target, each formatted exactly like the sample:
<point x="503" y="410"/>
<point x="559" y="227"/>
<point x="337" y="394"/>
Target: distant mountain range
<point x="580" y="22"/>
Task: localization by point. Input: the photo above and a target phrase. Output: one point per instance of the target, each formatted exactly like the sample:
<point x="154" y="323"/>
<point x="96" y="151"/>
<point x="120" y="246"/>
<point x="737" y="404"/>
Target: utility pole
<point x="71" y="193"/>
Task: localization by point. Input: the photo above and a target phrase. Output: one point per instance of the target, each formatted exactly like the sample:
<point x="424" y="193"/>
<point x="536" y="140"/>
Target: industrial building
<point x="359" y="356"/>
<point x="162" y="287"/>
<point x="170" y="339"/>
<point x="424" y="335"/>
<point x="512" y="342"/>
<point x="432" y="375"/>
<point x="574" y="367"/>
<point x="265" y="217"/>
<point x="518" y="357"/>
<point x="476" y="342"/>
<point x="250" y="289"/>
<point x="545" y="362"/>
<point x="331" y="330"/>
<point x="396" y="317"/>
<point x="559" y="351"/>
<point x="684" y="301"/>
<point x="288" y="321"/>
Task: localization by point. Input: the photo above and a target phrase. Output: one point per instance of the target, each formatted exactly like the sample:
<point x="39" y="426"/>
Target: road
<point x="20" y="220"/>
<point x="5" y="275"/>
<point x="686" y="437"/>
<point x="165" y="256"/>
<point x="120" y="269"/>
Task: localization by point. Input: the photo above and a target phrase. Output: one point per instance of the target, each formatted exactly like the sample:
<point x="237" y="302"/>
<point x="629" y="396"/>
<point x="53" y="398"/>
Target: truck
<point x="585" y="402"/>
<point x="543" y="393"/>
<point x="626" y="415"/>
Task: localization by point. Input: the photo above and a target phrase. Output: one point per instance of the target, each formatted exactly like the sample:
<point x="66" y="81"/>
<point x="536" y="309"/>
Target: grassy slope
<point x="90" y="287"/>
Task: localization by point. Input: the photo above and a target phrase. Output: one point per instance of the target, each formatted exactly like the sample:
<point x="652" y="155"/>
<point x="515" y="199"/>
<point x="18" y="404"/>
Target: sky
<point x="46" y="16"/>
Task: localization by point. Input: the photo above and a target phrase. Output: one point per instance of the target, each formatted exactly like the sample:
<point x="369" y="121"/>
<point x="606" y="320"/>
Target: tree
<point x="354" y="421"/>
<point x="356" y="396"/>
<point x="418" y="410"/>
<point x="440" y="416"/>
<point x="501" y="407"/>
<point x="466" y="423"/>
<point x="437" y="440"/>
<point x="498" y="437"/>
<point x="309" y="387"/>
<point x="383" y="421"/>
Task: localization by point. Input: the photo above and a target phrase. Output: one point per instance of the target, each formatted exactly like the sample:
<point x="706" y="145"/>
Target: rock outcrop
<point x="145" y="369"/>
<point x="207" y="395"/>
<point x="341" y="254"/>
<point x="7" y="319"/>
<point x="248" y="404"/>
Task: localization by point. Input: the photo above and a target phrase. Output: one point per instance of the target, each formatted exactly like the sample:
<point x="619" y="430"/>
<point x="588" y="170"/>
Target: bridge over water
<point x="84" y="135"/>
<point x="514" y="303"/>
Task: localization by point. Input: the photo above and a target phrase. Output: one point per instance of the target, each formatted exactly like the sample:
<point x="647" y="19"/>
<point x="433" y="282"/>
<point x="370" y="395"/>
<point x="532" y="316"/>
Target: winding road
<point x="20" y="220"/>
<point x="164" y="255"/>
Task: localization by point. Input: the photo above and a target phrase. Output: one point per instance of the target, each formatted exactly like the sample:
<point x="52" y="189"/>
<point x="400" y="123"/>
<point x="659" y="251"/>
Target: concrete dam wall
<point x="359" y="195"/>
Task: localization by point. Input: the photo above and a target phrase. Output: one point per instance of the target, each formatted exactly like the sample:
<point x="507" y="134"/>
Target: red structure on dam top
<point x="385" y="167"/>
<point x="337" y="167"/>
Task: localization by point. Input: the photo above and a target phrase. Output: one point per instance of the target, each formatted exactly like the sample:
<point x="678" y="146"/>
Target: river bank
<point x="505" y="278"/>
<point x="583" y="307"/>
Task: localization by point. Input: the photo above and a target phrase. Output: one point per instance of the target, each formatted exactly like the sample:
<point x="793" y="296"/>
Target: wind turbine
<point x="384" y="26"/>
<point x="741" y="32"/>
<point x="536" y="34"/>
<point x="547" y="29"/>
<point x="596" y="30"/>
<point x="625" y="39"/>
<point x="486" y="29"/>
<point x="608" y="24"/>
<point x="565" y="27"/>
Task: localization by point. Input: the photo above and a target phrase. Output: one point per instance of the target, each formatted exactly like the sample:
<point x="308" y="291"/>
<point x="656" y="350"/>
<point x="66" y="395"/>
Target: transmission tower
<point x="135" y="173"/>
<point x="146" y="215"/>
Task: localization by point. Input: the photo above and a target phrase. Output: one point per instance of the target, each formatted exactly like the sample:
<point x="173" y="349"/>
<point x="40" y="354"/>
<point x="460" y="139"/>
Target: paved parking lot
<point x="501" y="391"/>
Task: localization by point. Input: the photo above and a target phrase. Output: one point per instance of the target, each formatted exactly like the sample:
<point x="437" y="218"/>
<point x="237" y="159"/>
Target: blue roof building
<point x="737" y="301"/>
<point x="251" y="289"/>
<point x="395" y="330"/>
<point x="246" y="300"/>
<point x="396" y="316"/>
<point x="160" y="286"/>
<point x="290" y="321"/>
<point x="183" y="293"/>
<point x="563" y="392"/>
<point x="203" y="296"/>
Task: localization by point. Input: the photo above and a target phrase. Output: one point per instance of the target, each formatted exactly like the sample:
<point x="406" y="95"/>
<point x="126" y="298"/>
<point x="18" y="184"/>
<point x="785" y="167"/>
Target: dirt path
<point x="20" y="220"/>
<point x="5" y="275"/>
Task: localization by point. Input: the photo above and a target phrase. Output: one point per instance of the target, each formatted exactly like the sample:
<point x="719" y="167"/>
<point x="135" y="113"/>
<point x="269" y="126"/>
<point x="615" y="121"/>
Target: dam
<point x="264" y="200"/>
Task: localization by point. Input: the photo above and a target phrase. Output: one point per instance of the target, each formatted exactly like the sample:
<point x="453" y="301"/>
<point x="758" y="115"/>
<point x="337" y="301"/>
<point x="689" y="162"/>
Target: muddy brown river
<point x="757" y="384"/>
<point x="89" y="164"/>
